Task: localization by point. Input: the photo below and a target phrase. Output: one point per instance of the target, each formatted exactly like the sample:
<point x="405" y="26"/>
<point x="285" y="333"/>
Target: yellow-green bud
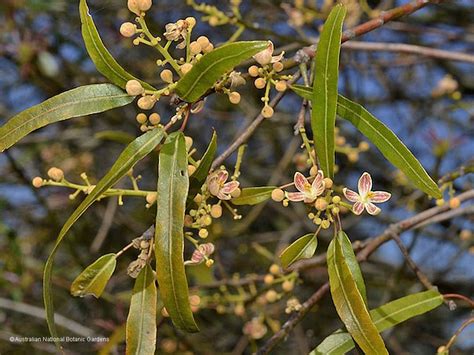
<point x="134" y="88"/>
<point x="203" y="233"/>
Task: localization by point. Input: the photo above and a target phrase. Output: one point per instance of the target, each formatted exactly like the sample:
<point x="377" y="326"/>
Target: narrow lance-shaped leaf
<point x="302" y="248"/>
<point x="352" y="263"/>
<point x="254" y="195"/>
<point x="384" y="317"/>
<point x="94" y="278"/>
<point x="134" y="152"/>
<point x="323" y="115"/>
<point x="388" y="143"/>
<point x="173" y="184"/>
<point x="349" y="303"/>
<point x="383" y="138"/>
<point x="197" y="179"/>
<point x="141" y="321"/>
<point x="213" y="65"/>
<point x="81" y="101"/>
<point x="103" y="60"/>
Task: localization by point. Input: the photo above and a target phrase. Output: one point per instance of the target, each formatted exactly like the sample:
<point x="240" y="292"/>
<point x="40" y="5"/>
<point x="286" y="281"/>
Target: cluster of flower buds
<point x="148" y="122"/>
<point x="343" y="147"/>
<point x="145" y="246"/>
<point x="55" y="174"/>
<point x="213" y="15"/>
<point x="268" y="75"/>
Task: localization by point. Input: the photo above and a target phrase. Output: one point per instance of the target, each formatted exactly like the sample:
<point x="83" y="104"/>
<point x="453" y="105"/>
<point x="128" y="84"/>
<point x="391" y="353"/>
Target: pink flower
<point x="366" y="198"/>
<point x="199" y="255"/>
<point x="217" y="185"/>
<point x="307" y="192"/>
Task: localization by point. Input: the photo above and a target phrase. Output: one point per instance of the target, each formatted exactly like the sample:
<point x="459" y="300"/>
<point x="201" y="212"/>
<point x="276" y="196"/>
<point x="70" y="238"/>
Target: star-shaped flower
<point x="366" y="198"/>
<point x="307" y="192"/>
<point x="217" y="185"/>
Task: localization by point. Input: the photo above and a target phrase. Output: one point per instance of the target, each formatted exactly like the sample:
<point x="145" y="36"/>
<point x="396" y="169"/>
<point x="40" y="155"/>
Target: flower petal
<point x="318" y="179"/>
<point x="351" y="195"/>
<point x="295" y="196"/>
<point x="379" y="196"/>
<point x="365" y="184"/>
<point x="358" y="208"/>
<point x="222" y="176"/>
<point x="229" y="187"/>
<point x="300" y="182"/>
<point x="222" y="196"/>
<point x="372" y="209"/>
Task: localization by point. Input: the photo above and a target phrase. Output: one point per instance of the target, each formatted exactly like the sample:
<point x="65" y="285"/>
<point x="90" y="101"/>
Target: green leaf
<point x="352" y="263"/>
<point x="350" y="304"/>
<point x="141" y="321"/>
<point x="254" y="195"/>
<point x="389" y="145"/>
<point x="383" y="138"/>
<point x="213" y="65"/>
<point x="81" y="101"/>
<point x="323" y="115"/>
<point x="384" y="317"/>
<point x="172" y="191"/>
<point x="94" y="278"/>
<point x="302" y="248"/>
<point x="133" y="153"/>
<point x="103" y="60"/>
<point x="199" y="176"/>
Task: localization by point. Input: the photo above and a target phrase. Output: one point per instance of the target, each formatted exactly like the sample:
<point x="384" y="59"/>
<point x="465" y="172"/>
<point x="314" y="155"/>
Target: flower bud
<point x="281" y="85"/>
<point x="128" y="29"/>
<point x="144" y="5"/>
<point x="325" y="224"/>
<point x="271" y="296"/>
<point x="189" y="142"/>
<point x="267" y="111"/>
<point x="454" y="203"/>
<point x="260" y="83"/>
<point x="203" y="41"/>
<point x="56" y="174"/>
<point x="151" y="197"/>
<point x="141" y="118"/>
<point x="191" y="169"/>
<point x="287" y="285"/>
<point x="336" y="199"/>
<point x="154" y="118"/>
<point x="234" y="97"/>
<point x="268" y="279"/>
<point x="134" y="88"/>
<point x="321" y="204"/>
<point x="208" y="48"/>
<point x="253" y="71"/>
<point x="133" y="6"/>
<point x="186" y="67"/>
<point x="146" y="102"/>
<point x="278" y="195"/>
<point x="278" y="66"/>
<point x="327" y="183"/>
<point x="274" y="269"/>
<point x="216" y="211"/>
<point x="167" y="76"/>
<point x="364" y="146"/>
<point x="191" y="21"/>
<point x="203" y="233"/>
<point x="195" y="48"/>
<point x="37" y="182"/>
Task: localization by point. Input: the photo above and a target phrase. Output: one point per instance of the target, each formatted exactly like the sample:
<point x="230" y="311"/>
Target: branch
<point x="410" y="48"/>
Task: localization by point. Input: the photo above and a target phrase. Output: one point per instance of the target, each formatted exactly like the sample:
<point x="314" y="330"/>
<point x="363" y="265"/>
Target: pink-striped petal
<point x="229" y="187"/>
<point x="351" y="195"/>
<point x="295" y="196"/>
<point x="365" y="184"/>
<point x="318" y="180"/>
<point x="222" y="176"/>
<point x="300" y="182"/>
<point x="372" y="209"/>
<point x="358" y="208"/>
<point x="379" y="196"/>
